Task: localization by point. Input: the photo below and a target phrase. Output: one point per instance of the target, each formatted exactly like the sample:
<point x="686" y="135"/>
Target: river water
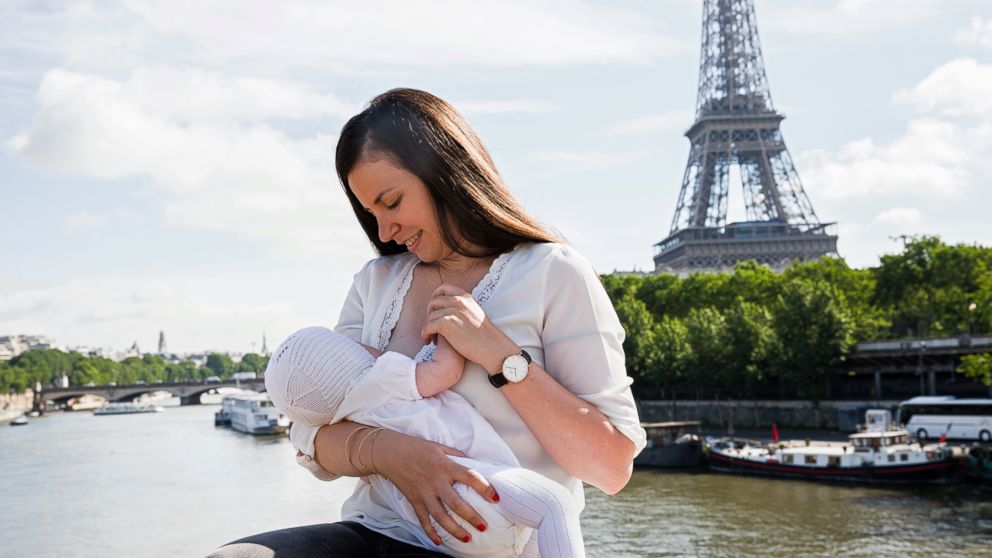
<point x="170" y="484"/>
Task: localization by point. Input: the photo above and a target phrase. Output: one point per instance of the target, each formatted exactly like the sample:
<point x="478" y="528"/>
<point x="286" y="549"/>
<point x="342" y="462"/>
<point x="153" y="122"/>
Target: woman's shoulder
<point x="383" y="274"/>
<point x="383" y="267"/>
<point x="553" y="257"/>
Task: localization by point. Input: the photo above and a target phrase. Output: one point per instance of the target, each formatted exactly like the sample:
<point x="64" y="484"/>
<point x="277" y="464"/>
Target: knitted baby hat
<point x="311" y="372"/>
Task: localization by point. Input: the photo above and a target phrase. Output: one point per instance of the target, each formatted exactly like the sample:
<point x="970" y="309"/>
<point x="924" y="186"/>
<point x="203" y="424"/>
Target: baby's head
<point x="310" y="373"/>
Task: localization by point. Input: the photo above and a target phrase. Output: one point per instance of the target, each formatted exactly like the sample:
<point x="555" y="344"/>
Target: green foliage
<point x="930" y="287"/>
<point x="46" y="366"/>
<point x="813" y="332"/>
<point x="219" y="365"/>
<point x="252" y="362"/>
<point x="978" y="367"/>
<point x="737" y="334"/>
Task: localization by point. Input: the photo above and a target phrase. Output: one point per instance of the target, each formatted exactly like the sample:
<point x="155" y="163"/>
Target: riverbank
<point x="842" y="416"/>
<point x="13" y="404"/>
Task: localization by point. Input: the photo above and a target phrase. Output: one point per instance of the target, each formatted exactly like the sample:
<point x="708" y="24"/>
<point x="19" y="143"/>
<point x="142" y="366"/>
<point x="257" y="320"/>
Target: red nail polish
<point x="481" y="527"/>
<point x="437" y="542"/>
<point x="466" y="538"/>
<point x="495" y="497"/>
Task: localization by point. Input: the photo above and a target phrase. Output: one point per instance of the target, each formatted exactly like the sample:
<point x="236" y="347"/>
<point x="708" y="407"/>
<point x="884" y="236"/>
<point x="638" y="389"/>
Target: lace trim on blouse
<point x="393" y="312"/>
<point x="481" y="293"/>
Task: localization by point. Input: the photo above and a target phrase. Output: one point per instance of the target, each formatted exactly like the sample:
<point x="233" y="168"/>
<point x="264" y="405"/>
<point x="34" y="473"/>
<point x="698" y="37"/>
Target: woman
<point x="460" y="258"/>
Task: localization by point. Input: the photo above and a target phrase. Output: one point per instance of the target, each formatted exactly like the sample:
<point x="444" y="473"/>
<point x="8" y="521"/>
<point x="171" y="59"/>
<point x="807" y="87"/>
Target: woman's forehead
<point x="371" y="180"/>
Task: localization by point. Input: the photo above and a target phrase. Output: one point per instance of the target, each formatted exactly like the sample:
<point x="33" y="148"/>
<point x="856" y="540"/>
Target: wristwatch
<point x="514" y="370"/>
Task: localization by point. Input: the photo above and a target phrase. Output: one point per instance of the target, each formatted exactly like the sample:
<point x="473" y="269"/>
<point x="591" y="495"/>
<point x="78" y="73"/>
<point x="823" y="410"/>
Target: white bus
<point x="932" y="417"/>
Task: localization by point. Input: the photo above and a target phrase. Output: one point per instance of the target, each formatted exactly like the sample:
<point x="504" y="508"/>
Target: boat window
<point x="833" y="461"/>
<point x="811" y="460"/>
<point x="787" y="458"/>
<point x="903" y="457"/>
<point x="892" y="457"/>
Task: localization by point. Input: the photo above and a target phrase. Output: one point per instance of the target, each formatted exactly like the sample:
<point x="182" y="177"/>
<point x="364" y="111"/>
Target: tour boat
<point x="19" y="420"/>
<point x="671" y="444"/>
<point x="253" y="413"/>
<point x="881" y="453"/>
<point x="127" y="409"/>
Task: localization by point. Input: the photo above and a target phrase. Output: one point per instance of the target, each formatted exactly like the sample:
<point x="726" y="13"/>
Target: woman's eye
<point x="395" y="204"/>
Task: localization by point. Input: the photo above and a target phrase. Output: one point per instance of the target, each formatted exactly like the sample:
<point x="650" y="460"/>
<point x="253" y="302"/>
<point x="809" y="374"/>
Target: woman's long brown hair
<point x="426" y="136"/>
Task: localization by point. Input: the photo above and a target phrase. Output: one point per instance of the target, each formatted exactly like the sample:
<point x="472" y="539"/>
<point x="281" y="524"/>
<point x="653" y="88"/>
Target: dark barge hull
<point x="938" y="472"/>
<point x="674" y="456"/>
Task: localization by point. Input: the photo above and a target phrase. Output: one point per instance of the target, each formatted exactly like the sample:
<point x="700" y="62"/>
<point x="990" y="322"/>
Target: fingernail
<point x="437" y="541"/>
<point x="466" y="538"/>
<point x="481" y="527"/>
<point x="495" y="497"/>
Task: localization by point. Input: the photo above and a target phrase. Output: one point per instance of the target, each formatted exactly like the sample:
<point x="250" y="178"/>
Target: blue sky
<point x="168" y="165"/>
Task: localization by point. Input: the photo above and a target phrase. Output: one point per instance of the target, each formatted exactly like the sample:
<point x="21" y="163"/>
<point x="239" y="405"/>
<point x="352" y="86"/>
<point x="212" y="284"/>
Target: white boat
<point x="19" y="420"/>
<point x="881" y="453"/>
<point x="253" y="413"/>
<point x="127" y="409"/>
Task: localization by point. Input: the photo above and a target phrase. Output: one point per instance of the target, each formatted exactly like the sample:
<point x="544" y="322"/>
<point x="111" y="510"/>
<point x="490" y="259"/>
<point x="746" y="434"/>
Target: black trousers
<point x="345" y="539"/>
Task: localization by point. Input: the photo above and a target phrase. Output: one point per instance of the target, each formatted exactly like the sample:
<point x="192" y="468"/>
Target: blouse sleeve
<point x="583" y="341"/>
<point x="350" y="324"/>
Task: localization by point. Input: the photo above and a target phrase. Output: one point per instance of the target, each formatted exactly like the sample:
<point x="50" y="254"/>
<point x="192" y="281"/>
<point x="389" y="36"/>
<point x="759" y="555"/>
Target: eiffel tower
<point x="736" y="135"/>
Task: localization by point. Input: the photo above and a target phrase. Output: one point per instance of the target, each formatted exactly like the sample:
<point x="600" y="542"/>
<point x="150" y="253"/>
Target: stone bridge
<point x="188" y="392"/>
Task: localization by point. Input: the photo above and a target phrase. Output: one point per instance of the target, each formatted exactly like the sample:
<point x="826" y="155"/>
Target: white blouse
<point x="549" y="301"/>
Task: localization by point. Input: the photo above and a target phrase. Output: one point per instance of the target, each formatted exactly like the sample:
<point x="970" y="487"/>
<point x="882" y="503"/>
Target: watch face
<point x="515" y="368"/>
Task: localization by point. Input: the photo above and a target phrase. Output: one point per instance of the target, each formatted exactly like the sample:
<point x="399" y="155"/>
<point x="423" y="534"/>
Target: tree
<point x="252" y="362"/>
<point x="639" y="345"/>
<point x="218" y="364"/>
<point x="928" y="289"/>
<point x="813" y="334"/>
<point x="978" y="367"/>
<point x="709" y="355"/>
<point x="672" y="354"/>
<point x="752" y="343"/>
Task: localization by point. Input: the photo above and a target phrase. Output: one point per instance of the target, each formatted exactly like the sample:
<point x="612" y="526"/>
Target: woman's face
<point x="401" y="205"/>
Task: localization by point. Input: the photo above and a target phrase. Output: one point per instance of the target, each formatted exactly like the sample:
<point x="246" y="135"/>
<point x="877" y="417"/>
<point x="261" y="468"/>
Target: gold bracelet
<point x="347" y="445"/>
<point x="372" y="434"/>
<point x="372" y="445"/>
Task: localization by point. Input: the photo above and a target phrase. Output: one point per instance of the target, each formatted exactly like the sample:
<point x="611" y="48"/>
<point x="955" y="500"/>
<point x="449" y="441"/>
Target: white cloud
<point x="571" y="162"/>
<point x="298" y="36"/>
<point x="961" y="87"/>
<point x="500" y="107"/>
<point x="250" y="178"/>
<point x="897" y="216"/>
<point x="667" y="122"/>
<point x="116" y="312"/>
<point x="929" y="159"/>
<point x="82" y="220"/>
<point x="979" y="33"/>
<point x="846" y="17"/>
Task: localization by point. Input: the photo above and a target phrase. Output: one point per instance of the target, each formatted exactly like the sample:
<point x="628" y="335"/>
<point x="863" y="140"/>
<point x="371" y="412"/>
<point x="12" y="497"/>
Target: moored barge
<point x="671" y="445"/>
<point x="881" y="454"/>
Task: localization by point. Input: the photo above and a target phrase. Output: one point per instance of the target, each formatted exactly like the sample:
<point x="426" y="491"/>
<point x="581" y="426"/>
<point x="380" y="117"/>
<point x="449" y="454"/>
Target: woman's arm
<point x="420" y="469"/>
<point x="576" y="434"/>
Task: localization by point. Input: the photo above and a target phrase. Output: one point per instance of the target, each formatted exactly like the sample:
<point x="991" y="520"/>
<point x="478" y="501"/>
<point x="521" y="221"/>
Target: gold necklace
<point x="466" y="276"/>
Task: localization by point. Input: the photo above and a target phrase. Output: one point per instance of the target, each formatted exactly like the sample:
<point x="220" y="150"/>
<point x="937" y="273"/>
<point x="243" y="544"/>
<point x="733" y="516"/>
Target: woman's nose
<point x="387" y="230"/>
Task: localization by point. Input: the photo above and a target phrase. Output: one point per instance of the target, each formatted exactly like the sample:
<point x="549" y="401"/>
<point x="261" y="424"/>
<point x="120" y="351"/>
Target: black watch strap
<point x="498" y="380"/>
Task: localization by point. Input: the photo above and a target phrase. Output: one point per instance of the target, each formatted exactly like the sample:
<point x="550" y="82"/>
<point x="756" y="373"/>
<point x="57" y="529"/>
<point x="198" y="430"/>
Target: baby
<point x="320" y="377"/>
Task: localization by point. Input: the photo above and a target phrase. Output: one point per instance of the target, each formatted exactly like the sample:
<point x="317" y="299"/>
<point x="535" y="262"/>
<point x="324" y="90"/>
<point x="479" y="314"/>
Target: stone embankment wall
<point x="760" y="414"/>
<point x="13" y="404"/>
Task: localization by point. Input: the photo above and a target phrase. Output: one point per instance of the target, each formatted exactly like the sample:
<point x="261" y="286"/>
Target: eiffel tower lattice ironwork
<point x="736" y="135"/>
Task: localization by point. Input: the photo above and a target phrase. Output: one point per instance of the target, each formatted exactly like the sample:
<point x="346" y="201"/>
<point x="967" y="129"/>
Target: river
<point x="171" y="484"/>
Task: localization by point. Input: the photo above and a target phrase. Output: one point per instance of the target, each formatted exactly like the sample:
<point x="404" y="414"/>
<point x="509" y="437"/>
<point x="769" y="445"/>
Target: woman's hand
<point x="424" y="474"/>
<point x="454" y="314"/>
